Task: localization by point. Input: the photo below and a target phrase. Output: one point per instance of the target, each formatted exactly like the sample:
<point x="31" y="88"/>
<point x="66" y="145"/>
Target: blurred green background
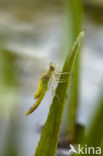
<point x="33" y="33"/>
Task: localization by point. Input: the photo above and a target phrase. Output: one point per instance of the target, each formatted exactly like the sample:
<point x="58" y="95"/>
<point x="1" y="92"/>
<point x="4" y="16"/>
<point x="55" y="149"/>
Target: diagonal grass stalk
<point x="50" y="134"/>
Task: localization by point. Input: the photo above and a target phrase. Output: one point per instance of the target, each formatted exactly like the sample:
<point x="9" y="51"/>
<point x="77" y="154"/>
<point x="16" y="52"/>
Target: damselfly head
<point x="52" y="66"/>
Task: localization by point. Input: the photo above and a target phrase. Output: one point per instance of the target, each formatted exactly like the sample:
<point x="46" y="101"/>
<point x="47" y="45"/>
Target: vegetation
<point x="50" y="134"/>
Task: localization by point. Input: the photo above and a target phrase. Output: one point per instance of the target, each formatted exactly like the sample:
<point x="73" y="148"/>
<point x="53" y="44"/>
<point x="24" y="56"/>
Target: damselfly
<point x="46" y="79"/>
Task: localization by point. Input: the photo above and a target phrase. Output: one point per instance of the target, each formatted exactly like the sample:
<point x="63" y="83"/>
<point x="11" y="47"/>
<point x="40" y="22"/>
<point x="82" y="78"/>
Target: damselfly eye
<point x="52" y="66"/>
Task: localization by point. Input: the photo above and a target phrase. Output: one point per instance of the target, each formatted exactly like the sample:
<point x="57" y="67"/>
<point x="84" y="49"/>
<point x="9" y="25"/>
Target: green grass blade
<point x="50" y="134"/>
<point x="95" y="133"/>
<point x="73" y="21"/>
<point x="73" y="13"/>
<point x="94" y="137"/>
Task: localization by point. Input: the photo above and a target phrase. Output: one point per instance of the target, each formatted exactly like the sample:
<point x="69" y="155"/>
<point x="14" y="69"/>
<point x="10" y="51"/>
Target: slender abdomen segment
<point x="42" y="88"/>
<point x="36" y="104"/>
<point x="38" y="92"/>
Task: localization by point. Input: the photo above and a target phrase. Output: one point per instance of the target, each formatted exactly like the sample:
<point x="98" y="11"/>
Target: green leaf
<point x="73" y="14"/>
<point x="50" y="134"/>
<point x="94" y="136"/>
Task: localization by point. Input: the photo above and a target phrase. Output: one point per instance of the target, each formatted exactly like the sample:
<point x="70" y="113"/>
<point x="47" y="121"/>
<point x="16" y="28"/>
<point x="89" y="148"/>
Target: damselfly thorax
<point x="49" y="72"/>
